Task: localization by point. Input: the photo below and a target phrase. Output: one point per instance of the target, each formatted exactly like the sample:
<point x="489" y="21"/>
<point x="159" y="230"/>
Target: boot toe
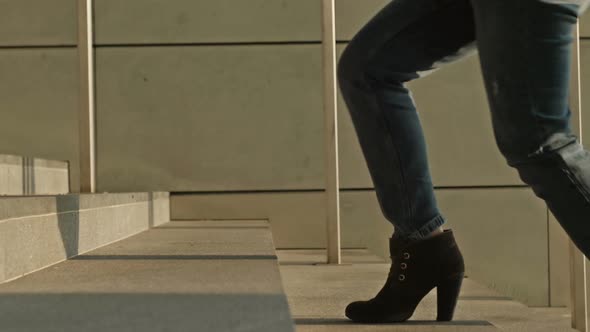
<point x="370" y="312"/>
<point x="358" y="311"/>
<point x="353" y="310"/>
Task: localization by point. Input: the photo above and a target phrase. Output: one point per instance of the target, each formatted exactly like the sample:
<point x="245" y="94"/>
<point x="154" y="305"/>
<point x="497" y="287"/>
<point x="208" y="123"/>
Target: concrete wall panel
<point x="250" y="118"/>
<point x="209" y="118"/>
<point x="38" y="103"/>
<point x="224" y="21"/>
<point x="38" y="22"/>
<point x="585" y="25"/>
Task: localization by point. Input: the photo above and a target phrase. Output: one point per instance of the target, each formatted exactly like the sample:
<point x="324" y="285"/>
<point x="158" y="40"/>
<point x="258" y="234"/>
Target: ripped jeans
<point x="524" y="48"/>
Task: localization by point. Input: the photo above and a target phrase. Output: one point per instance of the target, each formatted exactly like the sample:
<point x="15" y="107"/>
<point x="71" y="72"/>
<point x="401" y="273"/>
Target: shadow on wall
<point x="151" y="222"/>
<point x="28" y="176"/>
<point x="68" y="219"/>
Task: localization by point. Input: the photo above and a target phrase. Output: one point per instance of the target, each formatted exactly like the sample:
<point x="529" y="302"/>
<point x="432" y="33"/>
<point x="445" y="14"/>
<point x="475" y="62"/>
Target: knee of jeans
<point x="558" y="154"/>
<point x="553" y="146"/>
<point x="519" y="149"/>
<point x="357" y="68"/>
<point x="349" y="66"/>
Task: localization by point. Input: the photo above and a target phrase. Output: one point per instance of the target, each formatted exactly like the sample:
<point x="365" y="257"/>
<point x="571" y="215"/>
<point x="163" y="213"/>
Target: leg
<point x="525" y="49"/>
<point x="404" y="41"/>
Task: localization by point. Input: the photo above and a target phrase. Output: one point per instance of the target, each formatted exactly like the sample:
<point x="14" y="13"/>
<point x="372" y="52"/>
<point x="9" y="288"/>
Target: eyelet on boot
<point x="404" y="266"/>
<point x="402" y="277"/>
<point x="406" y="255"/>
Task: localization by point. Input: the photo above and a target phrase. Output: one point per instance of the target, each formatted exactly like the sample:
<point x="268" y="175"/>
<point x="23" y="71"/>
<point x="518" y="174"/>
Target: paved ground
<point x="318" y="294"/>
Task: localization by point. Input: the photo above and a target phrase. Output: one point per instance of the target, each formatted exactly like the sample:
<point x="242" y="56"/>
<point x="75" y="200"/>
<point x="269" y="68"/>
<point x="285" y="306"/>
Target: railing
<point x="331" y="132"/>
<point x="578" y="263"/>
<point x="86" y="115"/>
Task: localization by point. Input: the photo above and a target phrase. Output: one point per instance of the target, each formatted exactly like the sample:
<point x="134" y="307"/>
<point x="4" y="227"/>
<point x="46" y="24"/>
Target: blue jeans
<point x="524" y="48"/>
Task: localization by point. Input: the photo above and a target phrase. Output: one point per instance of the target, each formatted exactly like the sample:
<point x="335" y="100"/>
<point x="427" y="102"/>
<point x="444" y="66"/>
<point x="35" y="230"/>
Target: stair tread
<point x="318" y="294"/>
<point x="215" y="276"/>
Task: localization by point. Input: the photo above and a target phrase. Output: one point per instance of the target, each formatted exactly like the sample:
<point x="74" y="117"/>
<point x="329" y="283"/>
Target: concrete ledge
<point x="36" y="232"/>
<point x="33" y="176"/>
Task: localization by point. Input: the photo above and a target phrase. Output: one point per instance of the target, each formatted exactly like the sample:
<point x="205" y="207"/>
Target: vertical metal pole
<point x="331" y="131"/>
<point x="86" y="115"/>
<point x="578" y="263"/>
<point x="579" y="289"/>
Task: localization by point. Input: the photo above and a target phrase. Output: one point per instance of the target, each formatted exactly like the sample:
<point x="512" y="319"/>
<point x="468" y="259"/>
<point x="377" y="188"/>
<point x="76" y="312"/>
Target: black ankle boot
<point x="417" y="267"/>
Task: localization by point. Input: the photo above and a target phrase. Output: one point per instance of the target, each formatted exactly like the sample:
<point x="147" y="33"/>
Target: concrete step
<point x="319" y="293"/>
<point x="181" y="276"/>
<point x="39" y="231"/>
<point x="33" y="176"/>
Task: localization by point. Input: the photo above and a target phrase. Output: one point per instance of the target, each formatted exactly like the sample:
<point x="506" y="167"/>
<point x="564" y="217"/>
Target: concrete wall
<point x="159" y="79"/>
<point x="261" y="103"/>
<point x="225" y="96"/>
<point x="38" y="85"/>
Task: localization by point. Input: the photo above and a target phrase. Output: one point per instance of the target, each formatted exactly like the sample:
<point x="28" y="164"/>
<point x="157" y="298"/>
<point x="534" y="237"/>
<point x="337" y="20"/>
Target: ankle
<point x="403" y="239"/>
<point x="434" y="233"/>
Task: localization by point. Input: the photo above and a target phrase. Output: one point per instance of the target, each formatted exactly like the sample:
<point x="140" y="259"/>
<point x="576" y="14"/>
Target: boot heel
<point x="447" y="294"/>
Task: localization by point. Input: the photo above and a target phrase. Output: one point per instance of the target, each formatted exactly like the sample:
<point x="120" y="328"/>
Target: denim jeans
<point x="524" y="48"/>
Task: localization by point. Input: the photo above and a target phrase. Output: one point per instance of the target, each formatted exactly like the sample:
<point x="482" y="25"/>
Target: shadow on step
<point x="118" y="312"/>
<point x="342" y="321"/>
<point x="172" y="257"/>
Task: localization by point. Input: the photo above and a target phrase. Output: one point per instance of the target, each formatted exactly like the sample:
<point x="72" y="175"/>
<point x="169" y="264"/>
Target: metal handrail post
<point x="86" y="113"/>
<point x="578" y="262"/>
<point x="331" y="132"/>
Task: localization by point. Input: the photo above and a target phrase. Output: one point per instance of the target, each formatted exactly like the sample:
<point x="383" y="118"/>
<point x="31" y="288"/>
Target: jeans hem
<point x="428" y="228"/>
